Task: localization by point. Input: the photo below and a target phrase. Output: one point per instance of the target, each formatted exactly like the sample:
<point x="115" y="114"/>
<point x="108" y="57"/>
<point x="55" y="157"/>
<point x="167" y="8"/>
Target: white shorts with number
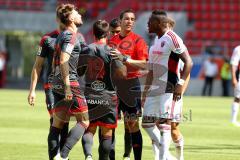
<point x="237" y="91"/>
<point x="163" y="106"/>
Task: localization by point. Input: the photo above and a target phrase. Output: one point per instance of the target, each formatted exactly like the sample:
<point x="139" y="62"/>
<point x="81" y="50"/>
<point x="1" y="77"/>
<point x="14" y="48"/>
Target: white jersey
<point x="164" y="60"/>
<point x="235" y="59"/>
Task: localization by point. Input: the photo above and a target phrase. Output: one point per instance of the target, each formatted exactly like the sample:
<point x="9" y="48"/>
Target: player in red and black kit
<point x="66" y="89"/>
<point x="114" y="29"/>
<point x="100" y="72"/>
<point x="134" y="55"/>
<point x="45" y="53"/>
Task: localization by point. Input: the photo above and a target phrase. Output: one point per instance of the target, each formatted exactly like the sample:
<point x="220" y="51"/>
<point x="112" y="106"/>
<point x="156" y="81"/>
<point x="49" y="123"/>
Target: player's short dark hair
<point x="115" y="23"/>
<point x="100" y="29"/>
<point x="159" y="12"/>
<point x="163" y="16"/>
<point x="125" y="11"/>
<point x="64" y="11"/>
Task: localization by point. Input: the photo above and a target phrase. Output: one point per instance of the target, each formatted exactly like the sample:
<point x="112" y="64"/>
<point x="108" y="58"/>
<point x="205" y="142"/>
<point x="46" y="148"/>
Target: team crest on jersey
<point x="98" y="85"/>
<point x="162" y="43"/>
<point x="39" y="51"/>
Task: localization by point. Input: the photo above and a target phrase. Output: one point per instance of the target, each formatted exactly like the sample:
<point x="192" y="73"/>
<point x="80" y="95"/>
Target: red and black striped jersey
<point x="46" y="50"/>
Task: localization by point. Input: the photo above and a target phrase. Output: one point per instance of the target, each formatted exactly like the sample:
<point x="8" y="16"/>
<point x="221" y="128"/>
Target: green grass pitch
<point x="207" y="131"/>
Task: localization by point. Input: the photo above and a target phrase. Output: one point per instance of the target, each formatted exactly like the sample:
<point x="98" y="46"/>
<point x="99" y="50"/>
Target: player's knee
<point x="85" y="123"/>
<point x="58" y="123"/>
<point x="133" y="126"/>
<point x="126" y="127"/>
<point x="174" y="135"/>
<point x="106" y="132"/>
<point x="105" y="146"/>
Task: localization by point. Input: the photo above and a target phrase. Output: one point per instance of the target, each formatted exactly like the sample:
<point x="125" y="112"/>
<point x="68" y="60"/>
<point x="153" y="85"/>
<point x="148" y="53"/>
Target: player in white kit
<point x="164" y="87"/>
<point x="235" y="59"/>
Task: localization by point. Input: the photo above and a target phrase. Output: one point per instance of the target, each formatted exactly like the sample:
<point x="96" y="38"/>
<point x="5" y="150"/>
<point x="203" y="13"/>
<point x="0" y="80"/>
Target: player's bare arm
<point x="34" y="78"/>
<point x="120" y="72"/>
<point x="234" y="78"/>
<point x="186" y="84"/>
<point x="137" y="64"/>
<point x="64" y="69"/>
<point x="185" y="57"/>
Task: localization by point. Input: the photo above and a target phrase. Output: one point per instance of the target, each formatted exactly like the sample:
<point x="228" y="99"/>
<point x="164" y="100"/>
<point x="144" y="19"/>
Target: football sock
<point x="112" y="151"/>
<point x="165" y="131"/>
<point x="154" y="134"/>
<point x="127" y="143"/>
<point x="104" y="148"/>
<point x="235" y="108"/>
<point x="179" y="148"/>
<point x="53" y="142"/>
<point x="87" y="143"/>
<point x="63" y="135"/>
<point x="137" y="144"/>
<point x="74" y="135"/>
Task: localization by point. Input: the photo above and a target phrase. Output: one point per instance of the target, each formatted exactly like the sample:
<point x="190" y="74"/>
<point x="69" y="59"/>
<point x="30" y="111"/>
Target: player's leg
<point x="150" y="112"/>
<point x="87" y="141"/>
<point x="127" y="141"/>
<point x="127" y="135"/>
<point x="165" y="130"/>
<point x="154" y="133"/>
<point x="107" y="124"/>
<point x="166" y="114"/>
<point x="235" y="109"/>
<point x="235" y="105"/>
<point x="54" y="135"/>
<point x="105" y="143"/>
<point x="50" y="105"/>
<point x="178" y="140"/>
<point x="59" y="116"/>
<point x="177" y="137"/>
<point x="132" y="125"/>
<point x="112" y="151"/>
<point x="80" y="111"/>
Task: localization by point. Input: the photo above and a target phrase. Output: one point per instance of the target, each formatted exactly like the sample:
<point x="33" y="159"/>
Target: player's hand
<point x="117" y="55"/>
<point x="177" y="92"/>
<point x="234" y="83"/>
<point x="32" y="98"/>
<point x="68" y="94"/>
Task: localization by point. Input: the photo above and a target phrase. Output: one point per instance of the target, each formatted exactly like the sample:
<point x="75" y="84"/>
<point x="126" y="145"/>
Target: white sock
<point x="154" y="134"/>
<point x="235" y="108"/>
<point x="165" y="131"/>
<point x="179" y="148"/>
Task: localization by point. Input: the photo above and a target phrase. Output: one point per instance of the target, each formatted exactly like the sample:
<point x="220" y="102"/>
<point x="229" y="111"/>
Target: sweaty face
<point x="114" y="31"/>
<point x="127" y="22"/>
<point x="76" y="18"/>
<point x="151" y="28"/>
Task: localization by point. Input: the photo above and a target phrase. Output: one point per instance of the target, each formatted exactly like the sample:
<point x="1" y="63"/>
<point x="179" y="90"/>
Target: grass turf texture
<point x="207" y="131"/>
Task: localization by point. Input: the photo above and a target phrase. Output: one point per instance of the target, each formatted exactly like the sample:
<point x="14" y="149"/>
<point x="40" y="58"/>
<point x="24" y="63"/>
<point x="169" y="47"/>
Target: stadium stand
<point x="22" y="5"/>
<point x="210" y="19"/>
<point x="92" y="7"/>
